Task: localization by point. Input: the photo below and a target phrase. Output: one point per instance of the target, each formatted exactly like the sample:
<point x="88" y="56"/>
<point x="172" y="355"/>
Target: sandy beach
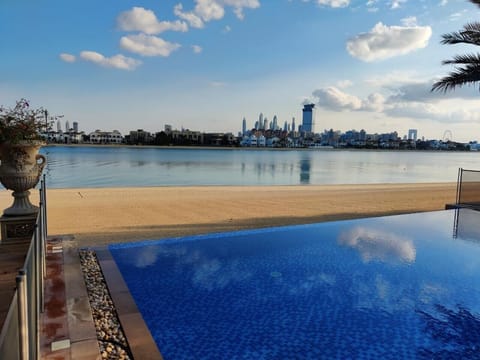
<point x="97" y="216"/>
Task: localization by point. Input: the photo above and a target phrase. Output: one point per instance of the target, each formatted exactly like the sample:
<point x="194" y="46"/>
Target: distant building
<point x="106" y="137"/>
<point x="308" y="122"/>
<point x="412" y="134"/>
<point x="140" y="136"/>
<point x="244" y="126"/>
<point x="75" y="127"/>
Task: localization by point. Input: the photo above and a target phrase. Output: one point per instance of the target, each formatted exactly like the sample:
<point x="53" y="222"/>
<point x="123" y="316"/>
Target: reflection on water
<point x="373" y="244"/>
<point x="390" y="287"/>
<point x="305" y="168"/>
<point x="453" y="333"/>
<point x="111" y="166"/>
<point x="466" y="225"/>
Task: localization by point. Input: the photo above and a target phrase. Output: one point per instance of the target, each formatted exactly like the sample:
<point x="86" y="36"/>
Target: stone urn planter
<point x="20" y="168"/>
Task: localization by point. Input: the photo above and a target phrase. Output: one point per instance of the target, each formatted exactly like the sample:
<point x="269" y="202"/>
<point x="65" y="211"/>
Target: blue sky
<point x="206" y="64"/>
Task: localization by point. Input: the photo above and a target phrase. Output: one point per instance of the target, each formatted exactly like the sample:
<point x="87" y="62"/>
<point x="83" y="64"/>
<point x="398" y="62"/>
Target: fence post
<point x="44" y="200"/>
<point x="22" y="315"/>
<point x="459" y="185"/>
<point x="40" y="258"/>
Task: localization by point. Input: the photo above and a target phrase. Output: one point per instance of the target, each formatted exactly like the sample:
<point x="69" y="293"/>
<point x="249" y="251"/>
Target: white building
<point x="106" y="137"/>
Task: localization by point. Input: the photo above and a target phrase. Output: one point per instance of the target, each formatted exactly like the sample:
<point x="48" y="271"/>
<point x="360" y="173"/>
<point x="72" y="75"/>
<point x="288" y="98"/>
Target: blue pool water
<point x="393" y="287"/>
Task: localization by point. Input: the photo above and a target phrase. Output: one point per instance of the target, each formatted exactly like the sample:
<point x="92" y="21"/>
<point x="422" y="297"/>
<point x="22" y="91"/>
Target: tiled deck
<point x="67" y="328"/>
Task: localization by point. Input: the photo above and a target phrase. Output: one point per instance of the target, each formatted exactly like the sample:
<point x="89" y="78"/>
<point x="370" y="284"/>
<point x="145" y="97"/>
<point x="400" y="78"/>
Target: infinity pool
<point x="393" y="287"/>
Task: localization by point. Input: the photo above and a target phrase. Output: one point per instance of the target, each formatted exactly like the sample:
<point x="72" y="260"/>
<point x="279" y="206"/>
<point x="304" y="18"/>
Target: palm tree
<point x="467" y="67"/>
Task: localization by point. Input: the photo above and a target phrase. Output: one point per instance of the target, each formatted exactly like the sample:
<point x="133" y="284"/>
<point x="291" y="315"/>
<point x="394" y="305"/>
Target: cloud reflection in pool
<point x="374" y="244"/>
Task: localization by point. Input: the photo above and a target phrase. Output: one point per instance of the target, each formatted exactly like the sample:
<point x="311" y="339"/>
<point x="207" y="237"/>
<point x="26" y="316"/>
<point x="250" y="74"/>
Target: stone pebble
<point x="111" y="339"/>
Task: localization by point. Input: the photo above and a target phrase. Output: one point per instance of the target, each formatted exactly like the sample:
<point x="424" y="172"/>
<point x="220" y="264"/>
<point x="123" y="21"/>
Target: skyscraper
<point x="275" y="125"/>
<point x="244" y="126"/>
<point x="293" y="124"/>
<point x="260" y="121"/>
<point x="75" y="127"/>
<point x="67" y="126"/>
<point x="412" y="134"/>
<point x="308" y="122"/>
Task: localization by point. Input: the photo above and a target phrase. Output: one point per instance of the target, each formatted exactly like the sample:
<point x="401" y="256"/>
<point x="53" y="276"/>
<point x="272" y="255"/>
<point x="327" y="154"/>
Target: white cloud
<point x="420" y="110"/>
<point x="197" y="49"/>
<point x="140" y="19"/>
<point x="458" y="15"/>
<point x="118" y="61"/>
<point x="239" y="5"/>
<point x="334" y="99"/>
<point x="421" y="91"/>
<point x="192" y="19"/>
<point x="410" y="99"/>
<point x="68" y="57"/>
<point x="396" y="4"/>
<point x="443" y="2"/>
<point x="383" y="41"/>
<point x="227" y="29"/>
<point x="374" y="102"/>
<point x="148" y="45"/>
<point x="409" y="21"/>
<point x="342" y="84"/>
<point x="334" y="3"/>
<point x="209" y="10"/>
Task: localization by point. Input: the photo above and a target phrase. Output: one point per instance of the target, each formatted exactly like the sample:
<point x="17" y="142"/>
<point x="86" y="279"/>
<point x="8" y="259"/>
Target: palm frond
<point x="462" y="76"/>
<point x="476" y="2"/>
<point x="469" y="35"/>
<point x="473" y="59"/>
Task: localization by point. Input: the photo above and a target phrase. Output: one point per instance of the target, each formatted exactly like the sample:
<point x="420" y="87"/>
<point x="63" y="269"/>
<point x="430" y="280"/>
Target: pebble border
<point x="110" y="336"/>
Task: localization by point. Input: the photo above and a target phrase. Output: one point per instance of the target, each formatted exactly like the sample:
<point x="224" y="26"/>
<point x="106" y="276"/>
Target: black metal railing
<point x="20" y="334"/>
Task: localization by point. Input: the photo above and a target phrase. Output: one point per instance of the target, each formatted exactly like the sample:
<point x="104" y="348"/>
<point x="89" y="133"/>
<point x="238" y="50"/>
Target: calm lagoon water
<point x="70" y="167"/>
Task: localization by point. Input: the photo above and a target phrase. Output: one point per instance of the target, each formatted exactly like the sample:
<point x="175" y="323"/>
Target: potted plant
<point x="20" y="163"/>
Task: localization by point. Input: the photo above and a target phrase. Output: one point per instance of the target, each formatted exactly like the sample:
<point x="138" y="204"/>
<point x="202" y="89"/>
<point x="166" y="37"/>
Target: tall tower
<point x="59" y="126"/>
<point x="412" y="134"/>
<point x="67" y="126"/>
<point x="285" y="126"/>
<point x="308" y="122"/>
<point x="75" y="127"/>
<point x="260" y="121"/>
<point x="275" y="120"/>
<point x="293" y="124"/>
<point x="244" y="126"/>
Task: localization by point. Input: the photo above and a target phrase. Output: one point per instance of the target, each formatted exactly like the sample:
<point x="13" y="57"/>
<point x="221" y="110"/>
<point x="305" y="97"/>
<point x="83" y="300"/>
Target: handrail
<point x="20" y="335"/>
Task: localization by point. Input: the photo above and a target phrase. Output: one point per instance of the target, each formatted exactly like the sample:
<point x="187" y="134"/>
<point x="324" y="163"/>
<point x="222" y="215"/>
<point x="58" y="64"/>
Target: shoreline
<point x="245" y="148"/>
<point x="99" y="216"/>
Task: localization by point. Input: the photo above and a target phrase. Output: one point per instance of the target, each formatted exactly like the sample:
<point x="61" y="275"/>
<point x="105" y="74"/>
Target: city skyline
<point x="207" y="64"/>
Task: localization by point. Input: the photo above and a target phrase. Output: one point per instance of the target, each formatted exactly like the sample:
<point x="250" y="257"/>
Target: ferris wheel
<point x="447" y="136"/>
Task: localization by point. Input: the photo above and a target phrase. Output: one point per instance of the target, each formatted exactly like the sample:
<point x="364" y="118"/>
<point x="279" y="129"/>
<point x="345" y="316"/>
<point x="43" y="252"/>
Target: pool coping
<point x="139" y="338"/>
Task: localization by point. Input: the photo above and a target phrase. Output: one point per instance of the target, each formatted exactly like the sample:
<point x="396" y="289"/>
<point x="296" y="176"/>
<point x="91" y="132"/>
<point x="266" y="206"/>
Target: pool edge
<point x="138" y="335"/>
